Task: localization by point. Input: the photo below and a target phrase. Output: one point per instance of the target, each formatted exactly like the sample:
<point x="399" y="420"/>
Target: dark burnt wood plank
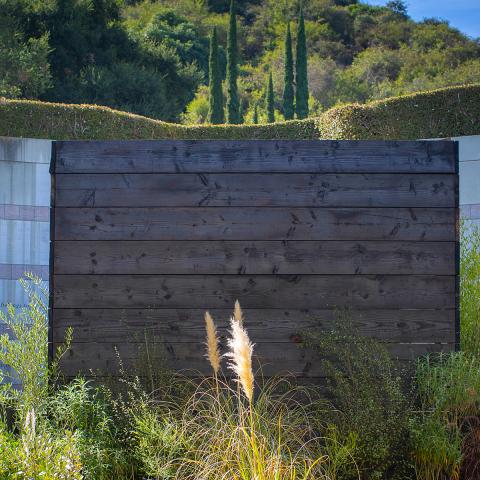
<point x="204" y="156"/>
<point x="254" y="257"/>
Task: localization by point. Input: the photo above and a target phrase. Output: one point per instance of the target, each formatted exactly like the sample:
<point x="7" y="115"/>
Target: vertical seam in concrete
<point x="457" y="246"/>
<point x="52" y="253"/>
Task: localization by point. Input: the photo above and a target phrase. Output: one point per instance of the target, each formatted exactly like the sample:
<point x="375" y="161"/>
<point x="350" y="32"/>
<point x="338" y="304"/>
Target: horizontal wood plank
<point x="204" y="156"/>
<point x="264" y="325"/>
<point x="269" y="358"/>
<point x="233" y="223"/>
<point x="240" y="190"/>
<point x="254" y="291"/>
<point x="254" y="257"/>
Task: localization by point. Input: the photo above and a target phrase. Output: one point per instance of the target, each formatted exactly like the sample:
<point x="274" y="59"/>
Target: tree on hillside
<point x="270" y="100"/>
<point x="288" y="92"/>
<point x="215" y="112"/>
<point x="255" y="115"/>
<point x="233" y="106"/>
<point x="301" y="98"/>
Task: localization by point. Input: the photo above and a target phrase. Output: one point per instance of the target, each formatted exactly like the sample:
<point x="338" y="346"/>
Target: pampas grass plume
<point x="238" y="314"/>
<point x="213" y="353"/>
<point x="241" y="350"/>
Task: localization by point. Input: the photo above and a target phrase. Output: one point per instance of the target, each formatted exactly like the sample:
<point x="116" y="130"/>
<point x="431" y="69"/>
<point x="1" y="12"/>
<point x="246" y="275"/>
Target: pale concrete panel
<point x="469" y="182"/>
<point x="24" y="183"/>
<point x="469" y="147"/>
<point x="26" y="150"/>
<point x="24" y="242"/>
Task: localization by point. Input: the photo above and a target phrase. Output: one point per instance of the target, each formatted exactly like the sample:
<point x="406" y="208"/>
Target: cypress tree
<point x="288" y="93"/>
<point x="215" y="111"/>
<point x="233" y="107"/>
<point x="270" y="101"/>
<point x="301" y="99"/>
<point x="255" y="115"/>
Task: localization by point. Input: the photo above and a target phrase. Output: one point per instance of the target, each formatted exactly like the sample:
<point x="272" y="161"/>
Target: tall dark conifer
<point x="288" y="92"/>
<point x="233" y="107"/>
<point x="215" y="110"/>
<point x="301" y="80"/>
<point x="255" y="115"/>
<point x="270" y="100"/>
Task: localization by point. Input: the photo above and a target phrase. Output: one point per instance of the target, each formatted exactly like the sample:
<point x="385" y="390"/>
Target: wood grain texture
<point x="267" y="189"/>
<point x="187" y="325"/>
<point x="254" y="257"/>
<point x="147" y="235"/>
<point x="269" y="358"/>
<point x="204" y="156"/>
<point x="255" y="223"/>
<point x="254" y="291"/>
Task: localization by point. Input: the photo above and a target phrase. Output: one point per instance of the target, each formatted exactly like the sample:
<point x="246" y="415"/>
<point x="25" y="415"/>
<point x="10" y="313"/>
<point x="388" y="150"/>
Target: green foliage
<point x="366" y="389"/>
<point x="233" y="105"/>
<point x="449" y="396"/>
<point x="42" y="454"/>
<point x="436" y="451"/>
<point x="198" y="109"/>
<point x="301" y="73"/>
<point x="177" y="34"/>
<point x="442" y="113"/>
<point x="452" y="111"/>
<point x="288" y="92"/>
<point x="63" y="122"/>
<point x="215" y="112"/>
<point x="24" y="67"/>
<point x="470" y="288"/>
<point x="88" y="411"/>
<point x="160" y="442"/>
<point x="24" y="349"/>
<point x="270" y="101"/>
<point x="255" y="115"/>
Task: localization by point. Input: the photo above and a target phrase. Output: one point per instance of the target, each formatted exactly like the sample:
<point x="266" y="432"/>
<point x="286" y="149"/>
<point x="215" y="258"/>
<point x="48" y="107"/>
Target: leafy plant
<point x="88" y="412"/>
<point x="436" y="450"/>
<point x="444" y="434"/>
<point x="25" y="348"/>
<point x="470" y="288"/>
<point x="367" y="393"/>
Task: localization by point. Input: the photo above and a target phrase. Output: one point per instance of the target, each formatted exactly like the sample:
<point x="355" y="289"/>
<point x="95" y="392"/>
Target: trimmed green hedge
<point x="445" y="112"/>
<point x="33" y="119"/>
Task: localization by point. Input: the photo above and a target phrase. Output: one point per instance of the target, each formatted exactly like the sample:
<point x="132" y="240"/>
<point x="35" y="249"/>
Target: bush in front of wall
<point x="445" y="435"/>
<point x="470" y="288"/>
<point x="367" y="393"/>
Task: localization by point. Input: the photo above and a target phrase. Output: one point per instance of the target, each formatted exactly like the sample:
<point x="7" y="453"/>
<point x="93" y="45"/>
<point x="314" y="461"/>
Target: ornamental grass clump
<point x="247" y="431"/>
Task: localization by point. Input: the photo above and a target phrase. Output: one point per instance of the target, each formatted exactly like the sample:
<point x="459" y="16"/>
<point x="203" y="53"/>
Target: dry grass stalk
<point x="237" y="313"/>
<point x="213" y="353"/>
<point x="241" y="351"/>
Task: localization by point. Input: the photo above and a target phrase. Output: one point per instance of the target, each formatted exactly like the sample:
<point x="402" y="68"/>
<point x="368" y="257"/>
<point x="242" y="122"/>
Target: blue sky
<point x="462" y="14"/>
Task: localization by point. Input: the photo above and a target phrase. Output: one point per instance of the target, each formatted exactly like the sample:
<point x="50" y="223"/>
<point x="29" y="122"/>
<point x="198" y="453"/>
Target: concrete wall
<point x="469" y="153"/>
<point x="24" y="215"/>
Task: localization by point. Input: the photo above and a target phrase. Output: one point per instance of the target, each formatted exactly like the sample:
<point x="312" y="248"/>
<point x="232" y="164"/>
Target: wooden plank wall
<point x="150" y="234"/>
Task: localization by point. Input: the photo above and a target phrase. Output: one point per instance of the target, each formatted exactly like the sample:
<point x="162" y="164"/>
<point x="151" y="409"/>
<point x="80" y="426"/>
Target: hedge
<point x="446" y="112"/>
<point x="33" y="119"/>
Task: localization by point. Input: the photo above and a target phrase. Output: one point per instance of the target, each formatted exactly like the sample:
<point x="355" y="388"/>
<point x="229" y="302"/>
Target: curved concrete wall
<point x="469" y="156"/>
<point x="24" y="215"/>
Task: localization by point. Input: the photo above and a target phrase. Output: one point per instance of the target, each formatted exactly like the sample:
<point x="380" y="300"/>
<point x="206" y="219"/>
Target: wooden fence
<point x="147" y="235"/>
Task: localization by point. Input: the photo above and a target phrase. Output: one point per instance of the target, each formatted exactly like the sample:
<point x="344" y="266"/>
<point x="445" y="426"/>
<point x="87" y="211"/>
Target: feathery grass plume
<point x="237" y="313"/>
<point x="213" y="353"/>
<point x="241" y="350"/>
